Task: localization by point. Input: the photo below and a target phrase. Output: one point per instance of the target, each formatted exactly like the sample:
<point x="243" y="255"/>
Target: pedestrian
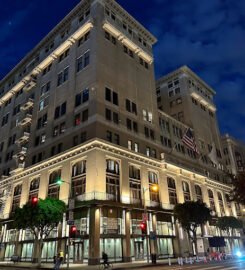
<point x="61" y="255"/>
<point x="57" y="263"/>
<point x="105" y="259"/>
<point x="54" y="261"/>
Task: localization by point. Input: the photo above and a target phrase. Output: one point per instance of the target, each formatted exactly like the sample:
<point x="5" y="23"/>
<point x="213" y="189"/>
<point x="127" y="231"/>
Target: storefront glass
<point x="165" y="247"/>
<point x="26" y="254"/>
<point x="9" y="251"/>
<point x="113" y="248"/>
<point x="49" y="251"/>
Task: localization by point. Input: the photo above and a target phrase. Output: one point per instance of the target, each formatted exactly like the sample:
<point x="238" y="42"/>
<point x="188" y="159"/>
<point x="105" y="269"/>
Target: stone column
<point x="94" y="236"/>
<point x="124" y="182"/>
<point x="126" y="240"/>
<point x="96" y="173"/>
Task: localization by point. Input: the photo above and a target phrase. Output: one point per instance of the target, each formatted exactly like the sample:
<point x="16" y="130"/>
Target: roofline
<point x="187" y="70"/>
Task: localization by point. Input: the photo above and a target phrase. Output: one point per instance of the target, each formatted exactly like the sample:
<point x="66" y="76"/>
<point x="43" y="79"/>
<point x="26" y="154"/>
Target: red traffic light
<point x="73" y="231"/>
<point x="34" y="201"/>
<point x="143" y="227"/>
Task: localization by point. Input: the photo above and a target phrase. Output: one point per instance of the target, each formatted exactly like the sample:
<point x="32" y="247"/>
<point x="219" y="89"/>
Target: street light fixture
<point x="154" y="188"/>
<point x="59" y="182"/>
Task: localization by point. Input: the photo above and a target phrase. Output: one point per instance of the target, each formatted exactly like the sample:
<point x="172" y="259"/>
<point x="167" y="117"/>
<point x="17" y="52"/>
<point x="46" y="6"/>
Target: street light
<point x="154" y="188"/>
<point x="59" y="182"/>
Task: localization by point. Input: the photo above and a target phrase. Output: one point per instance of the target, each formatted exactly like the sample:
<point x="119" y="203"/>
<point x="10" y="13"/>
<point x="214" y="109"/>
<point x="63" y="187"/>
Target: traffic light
<point x="34" y="201"/>
<point x="143" y="226"/>
<point x="73" y="231"/>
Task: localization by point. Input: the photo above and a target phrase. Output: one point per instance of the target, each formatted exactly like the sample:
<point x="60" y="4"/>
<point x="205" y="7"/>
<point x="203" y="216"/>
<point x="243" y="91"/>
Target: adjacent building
<point x="82" y="106"/>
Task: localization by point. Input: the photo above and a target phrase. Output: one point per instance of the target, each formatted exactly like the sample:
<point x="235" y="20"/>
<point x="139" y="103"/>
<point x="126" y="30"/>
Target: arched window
<point x="112" y="166"/>
<point x="153" y="178"/>
<point x="211" y="200"/>
<point x="112" y="180"/>
<point x="172" y="191"/>
<point x="221" y="204"/>
<point x="186" y="191"/>
<point x="135" y="185"/>
<point x="16" y="197"/>
<point x="54" y="188"/>
<point x="198" y="191"/>
<point x="79" y="168"/>
<point x="154" y="194"/>
<point x="18" y="190"/>
<point x="34" y="187"/>
<point x="79" y="178"/>
<point x="134" y="172"/>
<point x="35" y="184"/>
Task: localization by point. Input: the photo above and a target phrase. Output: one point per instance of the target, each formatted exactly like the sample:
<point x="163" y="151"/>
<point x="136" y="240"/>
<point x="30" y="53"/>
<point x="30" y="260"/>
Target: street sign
<point x="152" y="235"/>
<point x="144" y="217"/>
<point x="70" y="222"/>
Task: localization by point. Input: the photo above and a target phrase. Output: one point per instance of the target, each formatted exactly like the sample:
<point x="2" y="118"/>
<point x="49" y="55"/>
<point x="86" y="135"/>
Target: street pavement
<point x="224" y="265"/>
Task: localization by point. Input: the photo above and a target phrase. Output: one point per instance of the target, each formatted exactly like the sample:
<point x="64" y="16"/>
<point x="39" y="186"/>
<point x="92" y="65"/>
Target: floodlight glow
<point x="239" y="254"/>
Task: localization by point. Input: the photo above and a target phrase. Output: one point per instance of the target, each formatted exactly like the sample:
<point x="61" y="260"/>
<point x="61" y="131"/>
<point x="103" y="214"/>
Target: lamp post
<point x="60" y="182"/>
<point x="153" y="188"/>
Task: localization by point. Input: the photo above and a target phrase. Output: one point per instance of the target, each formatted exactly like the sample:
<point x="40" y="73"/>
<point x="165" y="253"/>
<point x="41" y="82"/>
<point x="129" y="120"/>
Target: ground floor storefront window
<point x="138" y="249"/>
<point x="165" y="247"/>
<point x="9" y="251"/>
<point x="26" y="253"/>
<point x="49" y="251"/>
<point x="113" y="248"/>
<point x="79" y="251"/>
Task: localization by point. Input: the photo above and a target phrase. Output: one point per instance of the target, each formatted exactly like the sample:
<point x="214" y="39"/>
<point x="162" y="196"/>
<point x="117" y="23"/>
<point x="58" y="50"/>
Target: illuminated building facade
<point x="82" y="106"/>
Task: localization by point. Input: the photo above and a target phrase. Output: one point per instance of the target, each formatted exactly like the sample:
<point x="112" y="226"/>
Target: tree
<point x="229" y="224"/>
<point x="40" y="218"/>
<point x="191" y="215"/>
<point x="238" y="194"/>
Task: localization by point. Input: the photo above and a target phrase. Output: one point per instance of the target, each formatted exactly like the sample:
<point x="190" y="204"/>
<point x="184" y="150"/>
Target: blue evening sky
<point x="208" y="36"/>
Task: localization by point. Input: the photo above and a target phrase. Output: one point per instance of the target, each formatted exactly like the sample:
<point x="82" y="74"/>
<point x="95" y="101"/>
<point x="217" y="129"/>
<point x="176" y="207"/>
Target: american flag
<point x="189" y="141"/>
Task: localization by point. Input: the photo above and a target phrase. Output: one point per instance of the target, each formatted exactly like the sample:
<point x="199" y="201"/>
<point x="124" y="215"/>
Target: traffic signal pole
<point x="146" y="236"/>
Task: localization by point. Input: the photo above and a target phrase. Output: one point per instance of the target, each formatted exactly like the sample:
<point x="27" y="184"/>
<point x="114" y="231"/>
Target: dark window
<point x="128" y="108"/>
<point x="115" y="118"/>
<point x="115" y="98"/>
<point x="108" y="114"/>
<point x="107" y="94"/>
<point x="129" y="124"/>
<point x="85" y="115"/>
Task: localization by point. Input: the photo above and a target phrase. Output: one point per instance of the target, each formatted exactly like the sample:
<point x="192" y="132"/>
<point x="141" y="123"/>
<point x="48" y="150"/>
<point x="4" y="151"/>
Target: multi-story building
<point x="188" y="99"/>
<point x="234" y="153"/>
<point x="81" y="106"/>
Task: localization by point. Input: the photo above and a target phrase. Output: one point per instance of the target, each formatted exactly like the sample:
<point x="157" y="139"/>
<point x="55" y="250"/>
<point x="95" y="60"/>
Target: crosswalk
<point x="235" y="265"/>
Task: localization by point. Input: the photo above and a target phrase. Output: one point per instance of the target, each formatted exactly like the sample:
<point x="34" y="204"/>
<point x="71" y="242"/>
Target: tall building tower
<point x="81" y="108"/>
<point x="188" y="99"/>
<point x="234" y="153"/>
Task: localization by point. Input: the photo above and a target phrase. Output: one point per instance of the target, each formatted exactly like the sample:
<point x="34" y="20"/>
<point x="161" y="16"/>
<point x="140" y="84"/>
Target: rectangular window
<point x="107" y="94"/>
<point x="108" y="114"/>
<point x="115" y="118"/>
<point x="129" y="124"/>
<point x="66" y="74"/>
<point x="85" y="115"/>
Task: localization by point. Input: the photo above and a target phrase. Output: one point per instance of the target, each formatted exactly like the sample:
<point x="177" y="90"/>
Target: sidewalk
<point x="118" y="266"/>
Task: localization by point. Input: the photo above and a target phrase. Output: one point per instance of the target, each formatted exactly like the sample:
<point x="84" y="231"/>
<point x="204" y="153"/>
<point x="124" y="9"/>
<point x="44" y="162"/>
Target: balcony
<point x="26" y="120"/>
<point x="21" y="154"/>
<point x="28" y="105"/>
<point x="30" y="84"/>
<point x="23" y="139"/>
